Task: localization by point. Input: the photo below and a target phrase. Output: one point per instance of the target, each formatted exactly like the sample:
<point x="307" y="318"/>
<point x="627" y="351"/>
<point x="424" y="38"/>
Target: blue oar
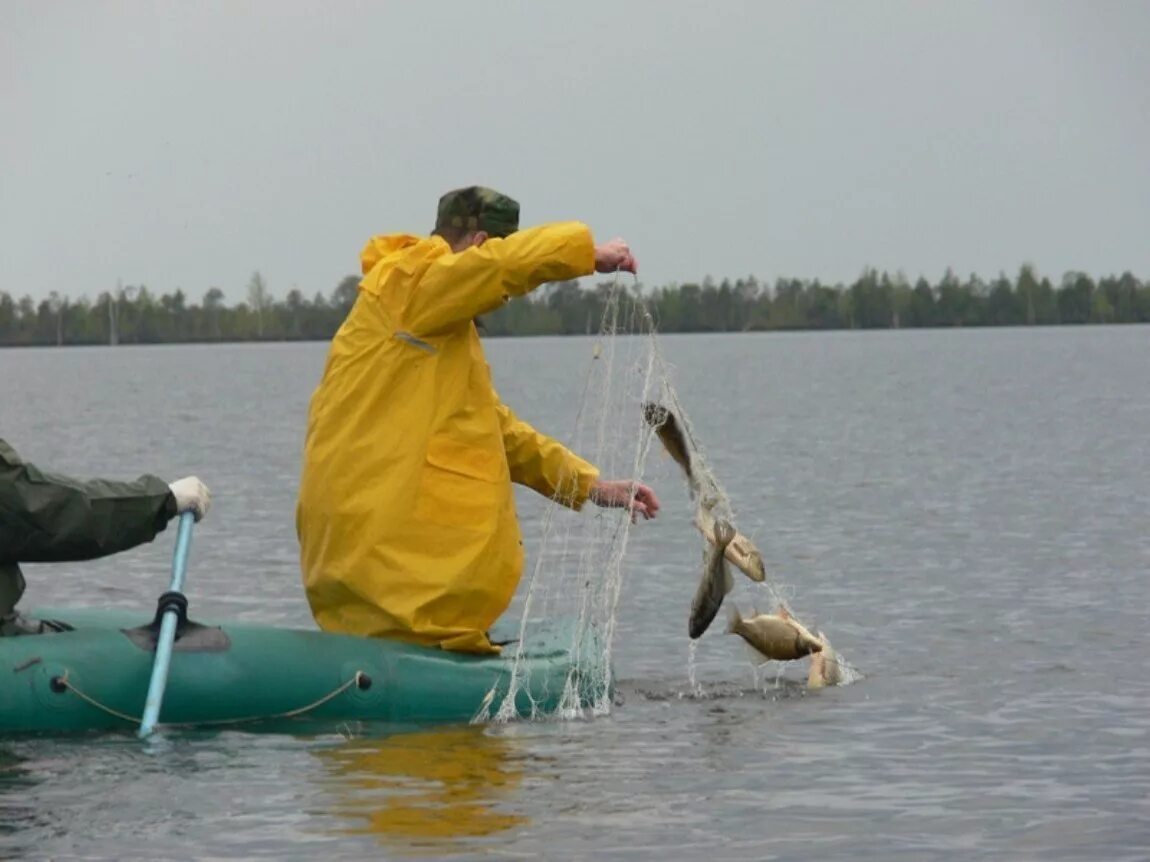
<point x="167" y="630"/>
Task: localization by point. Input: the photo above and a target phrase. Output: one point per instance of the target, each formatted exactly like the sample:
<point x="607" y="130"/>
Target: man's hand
<point x="615" y="255"/>
<point x="191" y="496"/>
<point x="625" y="494"/>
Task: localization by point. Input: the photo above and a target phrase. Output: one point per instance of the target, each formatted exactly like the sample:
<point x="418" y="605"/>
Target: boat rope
<point x="360" y="680"/>
<point x="357" y="680"/>
<point x="64" y="683"/>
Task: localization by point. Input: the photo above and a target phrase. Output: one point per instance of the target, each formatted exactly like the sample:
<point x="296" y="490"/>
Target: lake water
<point x="965" y="513"/>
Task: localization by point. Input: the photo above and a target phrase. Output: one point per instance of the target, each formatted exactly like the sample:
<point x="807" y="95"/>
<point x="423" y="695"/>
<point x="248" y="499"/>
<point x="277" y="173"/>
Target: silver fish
<point x="716" y="582"/>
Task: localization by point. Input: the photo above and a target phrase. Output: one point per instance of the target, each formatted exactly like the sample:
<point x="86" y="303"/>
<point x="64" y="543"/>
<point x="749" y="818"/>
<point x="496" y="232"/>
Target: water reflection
<point x="428" y="787"/>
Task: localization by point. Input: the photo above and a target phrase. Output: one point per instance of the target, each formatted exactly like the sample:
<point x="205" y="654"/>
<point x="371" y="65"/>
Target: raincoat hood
<point x="380" y="247"/>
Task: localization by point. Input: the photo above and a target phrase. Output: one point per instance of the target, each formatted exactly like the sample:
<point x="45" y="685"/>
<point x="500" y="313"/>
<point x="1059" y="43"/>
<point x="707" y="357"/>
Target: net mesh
<point x="578" y="569"/>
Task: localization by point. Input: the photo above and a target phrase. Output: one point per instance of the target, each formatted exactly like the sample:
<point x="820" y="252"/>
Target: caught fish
<point x="671" y="436"/>
<point x="803" y="630"/>
<point x="741" y="551"/>
<point x="716" y="583"/>
<point x="777" y="637"/>
<point x="826" y="668"/>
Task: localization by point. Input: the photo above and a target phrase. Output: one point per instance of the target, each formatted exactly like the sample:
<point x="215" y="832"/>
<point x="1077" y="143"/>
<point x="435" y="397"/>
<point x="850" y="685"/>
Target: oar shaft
<point x="167" y="634"/>
<point x="183" y="545"/>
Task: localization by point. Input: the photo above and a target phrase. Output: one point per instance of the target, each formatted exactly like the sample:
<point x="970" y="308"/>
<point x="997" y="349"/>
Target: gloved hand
<point x="191" y="496"/>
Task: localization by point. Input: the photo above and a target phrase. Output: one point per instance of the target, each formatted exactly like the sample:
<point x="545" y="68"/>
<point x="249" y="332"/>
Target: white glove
<point x="191" y="496"/>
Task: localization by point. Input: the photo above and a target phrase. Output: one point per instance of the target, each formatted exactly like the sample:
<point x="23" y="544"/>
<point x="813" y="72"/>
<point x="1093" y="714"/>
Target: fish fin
<point x="757" y="658"/>
<point x="784" y="613"/>
<point x="734" y="620"/>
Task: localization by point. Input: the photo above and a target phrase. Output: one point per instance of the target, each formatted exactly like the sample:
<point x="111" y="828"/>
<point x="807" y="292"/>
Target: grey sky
<point x="188" y="144"/>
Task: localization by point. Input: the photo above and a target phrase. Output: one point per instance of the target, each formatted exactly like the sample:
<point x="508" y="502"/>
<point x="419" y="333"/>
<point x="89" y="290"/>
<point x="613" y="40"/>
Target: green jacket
<point x="48" y="518"/>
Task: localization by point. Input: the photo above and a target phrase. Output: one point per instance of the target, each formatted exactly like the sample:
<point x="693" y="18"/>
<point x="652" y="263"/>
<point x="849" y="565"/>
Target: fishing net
<point x="577" y="568"/>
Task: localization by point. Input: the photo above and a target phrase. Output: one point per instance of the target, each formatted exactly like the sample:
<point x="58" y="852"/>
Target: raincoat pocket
<point x="462" y="486"/>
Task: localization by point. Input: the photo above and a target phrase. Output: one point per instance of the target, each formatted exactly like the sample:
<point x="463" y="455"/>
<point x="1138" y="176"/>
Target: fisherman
<point x="50" y="518"/>
<point x="406" y="513"/>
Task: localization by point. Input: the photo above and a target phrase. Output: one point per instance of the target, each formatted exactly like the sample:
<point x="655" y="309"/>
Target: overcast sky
<point x="189" y="144"/>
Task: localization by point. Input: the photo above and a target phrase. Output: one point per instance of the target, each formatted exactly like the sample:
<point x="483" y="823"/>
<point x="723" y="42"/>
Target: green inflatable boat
<point x="95" y="677"/>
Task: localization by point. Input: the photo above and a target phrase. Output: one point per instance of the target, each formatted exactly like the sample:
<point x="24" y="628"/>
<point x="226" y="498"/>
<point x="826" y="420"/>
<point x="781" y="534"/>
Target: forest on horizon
<point x="134" y="314"/>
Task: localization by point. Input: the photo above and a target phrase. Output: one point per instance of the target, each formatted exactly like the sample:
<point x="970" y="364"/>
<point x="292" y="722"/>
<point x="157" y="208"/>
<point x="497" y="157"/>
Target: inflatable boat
<point x="96" y="676"/>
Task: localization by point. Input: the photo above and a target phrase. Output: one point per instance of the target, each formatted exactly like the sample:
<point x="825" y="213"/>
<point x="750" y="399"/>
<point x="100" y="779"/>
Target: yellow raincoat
<point x="406" y="513"/>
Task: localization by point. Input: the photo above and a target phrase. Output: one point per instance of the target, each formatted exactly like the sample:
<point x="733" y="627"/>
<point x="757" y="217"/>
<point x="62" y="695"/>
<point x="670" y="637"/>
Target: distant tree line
<point x="136" y="315"/>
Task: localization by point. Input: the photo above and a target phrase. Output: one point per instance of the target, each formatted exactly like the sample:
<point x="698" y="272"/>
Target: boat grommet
<point x="362" y="681"/>
<point x="57" y="684"/>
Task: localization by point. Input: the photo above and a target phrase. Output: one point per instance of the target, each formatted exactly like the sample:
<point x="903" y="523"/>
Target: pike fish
<point x="778" y="637"/>
<point x="716" y="582"/>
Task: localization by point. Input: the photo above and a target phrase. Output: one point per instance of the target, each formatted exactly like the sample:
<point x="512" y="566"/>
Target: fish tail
<point x="724" y="534"/>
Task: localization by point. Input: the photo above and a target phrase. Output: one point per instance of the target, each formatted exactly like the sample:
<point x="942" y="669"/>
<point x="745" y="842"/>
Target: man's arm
<point x="544" y="464"/>
<point x="458" y="287"/>
<point x="47" y="517"/>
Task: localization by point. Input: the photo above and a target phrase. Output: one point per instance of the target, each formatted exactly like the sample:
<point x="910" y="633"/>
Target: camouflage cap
<point x="478" y="208"/>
